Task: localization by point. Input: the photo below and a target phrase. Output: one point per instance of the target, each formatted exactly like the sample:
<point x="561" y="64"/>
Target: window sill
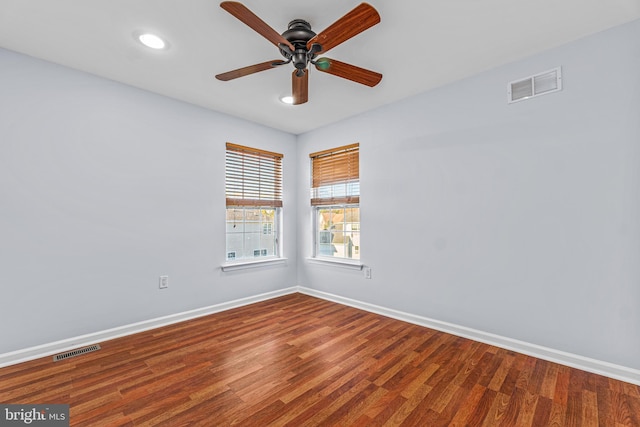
<point x="243" y="265"/>
<point x="356" y="265"/>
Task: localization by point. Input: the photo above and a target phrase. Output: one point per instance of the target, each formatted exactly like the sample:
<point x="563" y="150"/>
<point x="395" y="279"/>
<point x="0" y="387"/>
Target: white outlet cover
<point x="164" y="282"/>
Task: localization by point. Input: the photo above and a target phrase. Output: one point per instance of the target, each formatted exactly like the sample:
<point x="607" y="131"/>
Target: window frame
<point x="275" y="231"/>
<point x="316" y="234"/>
<point x="335" y="186"/>
<point x="246" y="170"/>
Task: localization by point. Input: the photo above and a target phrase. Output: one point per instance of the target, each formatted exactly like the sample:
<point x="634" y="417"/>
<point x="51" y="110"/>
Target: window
<point x="253" y="188"/>
<point x="335" y="200"/>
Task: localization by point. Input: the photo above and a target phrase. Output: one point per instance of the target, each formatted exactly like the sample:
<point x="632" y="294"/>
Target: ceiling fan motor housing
<point x="298" y="34"/>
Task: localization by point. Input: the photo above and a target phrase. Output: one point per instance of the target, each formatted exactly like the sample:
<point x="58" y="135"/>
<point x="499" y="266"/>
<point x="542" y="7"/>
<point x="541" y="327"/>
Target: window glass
<point x="338" y="231"/>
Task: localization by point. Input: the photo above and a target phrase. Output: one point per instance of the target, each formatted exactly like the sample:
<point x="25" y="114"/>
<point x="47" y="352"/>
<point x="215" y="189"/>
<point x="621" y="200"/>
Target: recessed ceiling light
<point x="287" y="100"/>
<point x="152" y="41"/>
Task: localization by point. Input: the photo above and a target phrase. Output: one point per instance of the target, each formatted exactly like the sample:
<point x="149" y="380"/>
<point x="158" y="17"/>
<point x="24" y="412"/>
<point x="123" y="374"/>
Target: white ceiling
<point x="418" y="45"/>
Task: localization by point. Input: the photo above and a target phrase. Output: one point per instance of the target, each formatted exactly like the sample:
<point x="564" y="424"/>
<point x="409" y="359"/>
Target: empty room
<point x="418" y="213"/>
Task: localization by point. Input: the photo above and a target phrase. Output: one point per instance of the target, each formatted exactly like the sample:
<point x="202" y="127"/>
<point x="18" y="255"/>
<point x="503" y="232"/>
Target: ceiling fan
<point x="301" y="46"/>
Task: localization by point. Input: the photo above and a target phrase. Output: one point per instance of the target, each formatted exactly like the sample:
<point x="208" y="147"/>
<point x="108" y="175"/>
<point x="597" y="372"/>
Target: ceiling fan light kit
<point x="288" y="99"/>
<point x="152" y="41"/>
<point x="300" y="46"/>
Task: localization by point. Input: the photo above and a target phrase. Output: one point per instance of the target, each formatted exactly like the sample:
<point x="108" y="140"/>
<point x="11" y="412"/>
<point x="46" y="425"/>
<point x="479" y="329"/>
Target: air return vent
<point x="76" y="352"/>
<point x="540" y="84"/>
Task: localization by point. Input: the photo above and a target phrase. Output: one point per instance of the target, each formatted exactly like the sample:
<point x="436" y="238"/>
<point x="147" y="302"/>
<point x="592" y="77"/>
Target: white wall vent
<point x="540" y="84"/>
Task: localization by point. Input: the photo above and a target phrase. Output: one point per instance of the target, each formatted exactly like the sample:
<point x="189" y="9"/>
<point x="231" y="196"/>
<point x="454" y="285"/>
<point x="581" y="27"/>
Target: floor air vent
<point x="76" y="352"/>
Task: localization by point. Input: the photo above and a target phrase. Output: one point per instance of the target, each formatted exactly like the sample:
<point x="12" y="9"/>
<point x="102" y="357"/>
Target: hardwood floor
<point x="301" y="361"/>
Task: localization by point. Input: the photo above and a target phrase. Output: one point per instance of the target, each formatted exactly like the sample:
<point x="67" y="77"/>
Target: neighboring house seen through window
<point x="253" y="188"/>
<point x="335" y="200"/>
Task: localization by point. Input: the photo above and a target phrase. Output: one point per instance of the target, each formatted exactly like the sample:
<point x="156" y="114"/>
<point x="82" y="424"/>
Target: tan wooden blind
<point x="253" y="177"/>
<point x="335" y="176"/>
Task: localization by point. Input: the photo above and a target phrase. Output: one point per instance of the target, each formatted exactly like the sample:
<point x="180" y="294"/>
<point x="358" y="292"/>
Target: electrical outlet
<point x="367" y="272"/>
<point x="164" y="282"/>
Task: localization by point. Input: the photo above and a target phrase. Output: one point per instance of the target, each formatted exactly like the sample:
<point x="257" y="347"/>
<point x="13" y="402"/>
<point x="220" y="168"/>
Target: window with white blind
<point x="253" y="188"/>
<point x="335" y="201"/>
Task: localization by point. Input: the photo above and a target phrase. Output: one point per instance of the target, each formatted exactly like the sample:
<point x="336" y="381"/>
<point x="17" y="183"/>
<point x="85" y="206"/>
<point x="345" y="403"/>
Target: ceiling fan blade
<point x="353" y="23"/>
<point x="300" y="89"/>
<point x="241" y="12"/>
<point x="245" y="71"/>
<point x="348" y="71"/>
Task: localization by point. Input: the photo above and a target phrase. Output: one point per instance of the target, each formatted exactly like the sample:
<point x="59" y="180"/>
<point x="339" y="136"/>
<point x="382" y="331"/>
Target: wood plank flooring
<point x="301" y="361"/>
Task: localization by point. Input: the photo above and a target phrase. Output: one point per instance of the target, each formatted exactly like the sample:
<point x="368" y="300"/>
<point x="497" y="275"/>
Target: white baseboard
<point x="49" y="349"/>
<point x="599" y="367"/>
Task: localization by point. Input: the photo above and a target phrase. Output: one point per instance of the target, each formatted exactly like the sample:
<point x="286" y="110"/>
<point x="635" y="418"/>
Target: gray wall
<point x="103" y="188"/>
<point x="520" y="220"/>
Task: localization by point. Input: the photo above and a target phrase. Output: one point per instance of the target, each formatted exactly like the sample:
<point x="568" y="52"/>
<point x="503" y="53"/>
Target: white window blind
<point x="253" y="177"/>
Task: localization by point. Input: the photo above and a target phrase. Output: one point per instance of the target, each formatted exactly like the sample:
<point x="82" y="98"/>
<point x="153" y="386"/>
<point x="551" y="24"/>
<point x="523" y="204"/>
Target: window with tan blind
<point x="335" y="198"/>
<point x="253" y="190"/>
